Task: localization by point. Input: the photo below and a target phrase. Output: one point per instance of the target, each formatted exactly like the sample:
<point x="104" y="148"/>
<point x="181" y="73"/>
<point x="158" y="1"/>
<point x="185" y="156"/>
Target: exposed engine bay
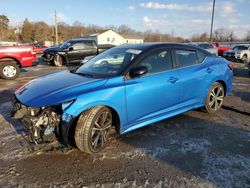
<point x="40" y="122"/>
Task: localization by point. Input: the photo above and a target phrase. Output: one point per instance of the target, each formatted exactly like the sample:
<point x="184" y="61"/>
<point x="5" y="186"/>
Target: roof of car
<point x="148" y="46"/>
<point x="80" y="39"/>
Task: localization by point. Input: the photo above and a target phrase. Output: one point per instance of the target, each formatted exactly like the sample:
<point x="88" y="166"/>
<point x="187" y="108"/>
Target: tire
<point x="92" y="129"/>
<point x="9" y="70"/>
<point x="214" y="98"/>
<point x="58" y="60"/>
<point x="244" y="59"/>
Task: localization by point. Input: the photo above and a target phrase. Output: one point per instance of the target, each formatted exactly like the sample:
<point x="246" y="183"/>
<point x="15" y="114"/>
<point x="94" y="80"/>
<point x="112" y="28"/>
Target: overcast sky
<point x="182" y="18"/>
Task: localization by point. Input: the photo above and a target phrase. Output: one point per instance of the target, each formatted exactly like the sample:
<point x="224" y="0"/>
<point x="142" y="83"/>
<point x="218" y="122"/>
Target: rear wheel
<point x="9" y="70"/>
<point x="214" y="98"/>
<point x="92" y="129"/>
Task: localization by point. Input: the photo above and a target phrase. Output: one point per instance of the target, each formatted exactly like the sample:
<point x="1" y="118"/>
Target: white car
<point x="240" y="52"/>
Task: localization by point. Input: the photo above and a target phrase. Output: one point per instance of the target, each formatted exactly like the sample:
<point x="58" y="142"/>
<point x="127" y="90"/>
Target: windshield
<point x="65" y="45"/>
<point x="240" y="48"/>
<point x="109" y="63"/>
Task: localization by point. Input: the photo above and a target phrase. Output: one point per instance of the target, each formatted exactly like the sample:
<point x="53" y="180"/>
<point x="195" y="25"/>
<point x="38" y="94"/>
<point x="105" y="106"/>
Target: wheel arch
<point x="245" y="55"/>
<point x="67" y="132"/>
<point x="223" y="83"/>
<point x="2" y="59"/>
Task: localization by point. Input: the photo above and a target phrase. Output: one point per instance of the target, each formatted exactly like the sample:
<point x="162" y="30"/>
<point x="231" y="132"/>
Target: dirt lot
<point x="192" y="149"/>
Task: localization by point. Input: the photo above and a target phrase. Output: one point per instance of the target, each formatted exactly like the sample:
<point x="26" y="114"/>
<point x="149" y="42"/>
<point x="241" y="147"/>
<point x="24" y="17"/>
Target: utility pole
<point x="56" y="32"/>
<point x="1" y="27"/>
<point x="212" y="23"/>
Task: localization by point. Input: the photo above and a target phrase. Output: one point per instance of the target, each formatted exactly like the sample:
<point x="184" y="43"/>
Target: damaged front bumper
<point x="41" y="123"/>
<point x="47" y="57"/>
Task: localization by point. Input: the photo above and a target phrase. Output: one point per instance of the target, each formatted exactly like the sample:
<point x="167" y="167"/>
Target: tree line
<point x="41" y="31"/>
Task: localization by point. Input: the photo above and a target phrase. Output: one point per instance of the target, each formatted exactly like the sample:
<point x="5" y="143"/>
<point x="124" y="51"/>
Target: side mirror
<point x="138" y="71"/>
<point x="71" y="48"/>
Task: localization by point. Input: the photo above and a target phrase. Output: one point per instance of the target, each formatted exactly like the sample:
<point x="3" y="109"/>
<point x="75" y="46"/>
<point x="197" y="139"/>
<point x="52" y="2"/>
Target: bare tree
<point x="247" y="37"/>
<point x="224" y="35"/>
<point x="204" y="37"/>
<point x="4" y="24"/>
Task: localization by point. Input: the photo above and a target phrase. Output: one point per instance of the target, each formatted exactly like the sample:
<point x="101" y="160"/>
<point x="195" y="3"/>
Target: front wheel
<point x="9" y="70"/>
<point x="214" y="98"/>
<point x="244" y="59"/>
<point x="92" y="129"/>
<point x="58" y="60"/>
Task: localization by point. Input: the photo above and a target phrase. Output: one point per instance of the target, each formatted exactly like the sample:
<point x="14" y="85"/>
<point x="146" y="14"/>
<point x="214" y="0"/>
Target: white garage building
<point x="113" y="38"/>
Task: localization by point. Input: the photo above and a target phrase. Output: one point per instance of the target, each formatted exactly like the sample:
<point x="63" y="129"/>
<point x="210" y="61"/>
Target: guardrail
<point x="231" y="44"/>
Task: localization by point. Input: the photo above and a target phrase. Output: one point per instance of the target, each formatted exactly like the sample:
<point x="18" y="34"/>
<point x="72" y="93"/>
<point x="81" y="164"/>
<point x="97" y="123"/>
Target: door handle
<point x="173" y="79"/>
<point x="209" y="70"/>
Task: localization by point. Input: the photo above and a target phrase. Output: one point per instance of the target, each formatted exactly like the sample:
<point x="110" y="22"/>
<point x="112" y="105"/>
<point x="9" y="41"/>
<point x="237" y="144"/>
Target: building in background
<point x="113" y="38"/>
<point x="132" y="39"/>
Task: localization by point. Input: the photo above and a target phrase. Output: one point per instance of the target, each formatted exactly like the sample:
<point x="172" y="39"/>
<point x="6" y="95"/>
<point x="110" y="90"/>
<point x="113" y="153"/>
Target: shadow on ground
<point x="240" y="72"/>
<point x="194" y="146"/>
<point x="192" y="149"/>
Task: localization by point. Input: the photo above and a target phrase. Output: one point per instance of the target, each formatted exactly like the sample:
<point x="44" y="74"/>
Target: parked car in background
<point x="72" y="51"/>
<point x="238" y="53"/>
<point x="221" y="48"/>
<point x="207" y="46"/>
<point x="126" y="87"/>
<point x="39" y="48"/>
<point x="14" y="57"/>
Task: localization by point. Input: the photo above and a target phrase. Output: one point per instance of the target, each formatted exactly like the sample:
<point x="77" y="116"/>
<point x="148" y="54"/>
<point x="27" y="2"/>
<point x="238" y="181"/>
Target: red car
<point x="40" y="48"/>
<point x="14" y="57"/>
<point x="221" y="49"/>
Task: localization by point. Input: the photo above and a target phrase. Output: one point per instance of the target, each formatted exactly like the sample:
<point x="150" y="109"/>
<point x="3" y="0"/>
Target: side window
<point x="78" y="46"/>
<point x="211" y="46"/>
<point x="186" y="58"/>
<point x="89" y="44"/>
<point x="158" y="61"/>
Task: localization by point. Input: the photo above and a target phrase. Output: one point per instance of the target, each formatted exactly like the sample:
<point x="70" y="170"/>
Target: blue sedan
<point x="125" y="88"/>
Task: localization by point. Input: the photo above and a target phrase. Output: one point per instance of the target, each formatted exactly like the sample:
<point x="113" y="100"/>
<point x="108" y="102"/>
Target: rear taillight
<point x="231" y="66"/>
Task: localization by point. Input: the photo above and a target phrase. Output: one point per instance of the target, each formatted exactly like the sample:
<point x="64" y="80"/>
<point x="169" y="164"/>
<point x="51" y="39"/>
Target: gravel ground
<point x="194" y="149"/>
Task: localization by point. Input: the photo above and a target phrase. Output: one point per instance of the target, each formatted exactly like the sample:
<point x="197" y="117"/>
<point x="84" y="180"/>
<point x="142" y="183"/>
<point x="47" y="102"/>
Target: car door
<point x="90" y="49"/>
<point x="193" y="75"/>
<point x="75" y="51"/>
<point x="154" y="93"/>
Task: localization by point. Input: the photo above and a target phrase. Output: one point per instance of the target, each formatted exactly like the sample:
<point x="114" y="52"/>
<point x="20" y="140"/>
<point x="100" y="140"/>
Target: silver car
<point x="207" y="46"/>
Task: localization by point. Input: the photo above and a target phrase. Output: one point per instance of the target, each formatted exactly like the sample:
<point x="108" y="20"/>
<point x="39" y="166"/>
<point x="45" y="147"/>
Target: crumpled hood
<point x="56" y="88"/>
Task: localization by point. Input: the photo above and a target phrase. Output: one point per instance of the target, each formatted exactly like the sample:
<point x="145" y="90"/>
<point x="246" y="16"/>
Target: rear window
<point x="89" y="44"/>
<point x="186" y="58"/>
<point x="201" y="55"/>
<point x="240" y="48"/>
